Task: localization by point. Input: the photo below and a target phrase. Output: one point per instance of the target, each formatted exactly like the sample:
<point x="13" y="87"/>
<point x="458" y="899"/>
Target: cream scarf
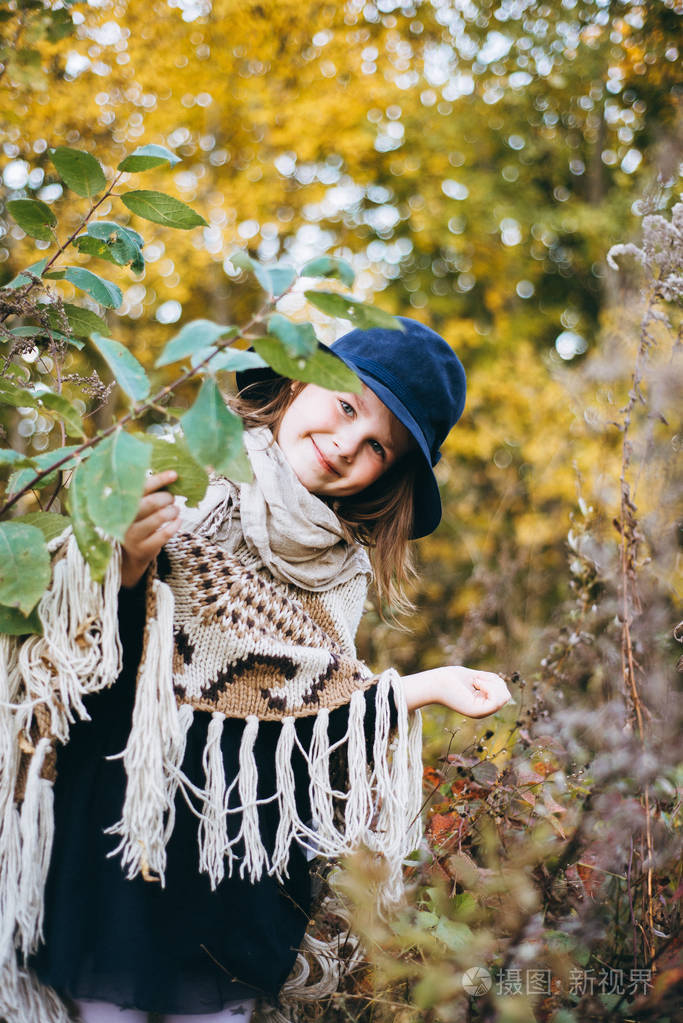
<point x="289" y="531"/>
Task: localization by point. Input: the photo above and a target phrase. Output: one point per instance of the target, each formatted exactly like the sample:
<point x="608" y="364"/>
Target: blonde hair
<point x="380" y="518"/>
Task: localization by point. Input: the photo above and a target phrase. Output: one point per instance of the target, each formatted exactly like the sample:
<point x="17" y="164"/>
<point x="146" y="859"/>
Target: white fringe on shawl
<point x="154" y="752"/>
<point x="381" y="806"/>
<point x="78" y="653"/>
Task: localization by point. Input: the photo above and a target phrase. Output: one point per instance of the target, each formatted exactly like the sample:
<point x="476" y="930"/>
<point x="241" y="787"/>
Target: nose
<point x="347" y="441"/>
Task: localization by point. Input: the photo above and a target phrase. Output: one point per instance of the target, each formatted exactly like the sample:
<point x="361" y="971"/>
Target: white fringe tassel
<point x="154" y="752"/>
<point x="213" y="843"/>
<point x="23" y="999"/>
<point x="255" y="857"/>
<point x="289" y="825"/>
<point x="10" y="841"/>
<point x="382" y="808"/>
<point x="358" y="815"/>
<point x="414" y="794"/>
<point x="328" y="840"/>
<point x="37" y="832"/>
<point x="79" y="651"/>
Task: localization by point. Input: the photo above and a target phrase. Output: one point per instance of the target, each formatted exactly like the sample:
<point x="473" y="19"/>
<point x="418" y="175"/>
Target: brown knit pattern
<point x="246" y="643"/>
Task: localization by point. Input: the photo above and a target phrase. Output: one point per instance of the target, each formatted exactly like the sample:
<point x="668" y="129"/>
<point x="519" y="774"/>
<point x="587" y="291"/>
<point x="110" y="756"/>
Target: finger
<point x="149" y="547"/>
<point x="144" y="526"/>
<point x="153" y="502"/>
<point x="160" y="479"/>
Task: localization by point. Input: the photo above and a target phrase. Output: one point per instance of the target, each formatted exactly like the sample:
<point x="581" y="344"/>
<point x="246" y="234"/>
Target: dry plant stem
<point x="134" y="413"/>
<point x="60" y="481"/>
<point x="651" y="965"/>
<point x="489" y="1009"/>
<point x="628" y="528"/>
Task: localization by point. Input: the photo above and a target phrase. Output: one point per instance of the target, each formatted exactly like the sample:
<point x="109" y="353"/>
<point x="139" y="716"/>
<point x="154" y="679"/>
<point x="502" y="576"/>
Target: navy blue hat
<point x="419" y="378"/>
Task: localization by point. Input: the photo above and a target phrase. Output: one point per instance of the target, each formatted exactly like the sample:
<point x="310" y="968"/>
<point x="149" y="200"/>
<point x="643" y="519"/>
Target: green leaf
<point x="214" y="433"/>
<point x="161" y="209"/>
<point x="194" y="336"/>
<point x="8" y="456"/>
<point x="145" y="157"/>
<point x="298" y="338"/>
<point x="50" y="524"/>
<point x="80" y="171"/>
<point x="103" y="229"/>
<point x="322" y="368"/>
<point x="129" y="374"/>
<point x="192" y="478"/>
<point x="18" y="397"/>
<point x="328" y="266"/>
<point x="24" y="68"/>
<point x="104" y="292"/>
<point x="426" y="920"/>
<point x="347" y="308"/>
<point x="39" y="333"/>
<point x="464" y="905"/>
<point x="231" y="360"/>
<point x="114" y="479"/>
<point x="242" y="260"/>
<point x="45" y="460"/>
<point x="24" y="566"/>
<point x="454" y="935"/>
<point x="122" y="253"/>
<point x="83" y="322"/>
<point x="275" y="279"/>
<point x="61" y="407"/>
<point x="22" y="278"/>
<point x="116" y="244"/>
<point x="43" y="399"/>
<point x="95" y="549"/>
<point x="14" y="623"/>
<point x="34" y="217"/>
<point x="59" y="25"/>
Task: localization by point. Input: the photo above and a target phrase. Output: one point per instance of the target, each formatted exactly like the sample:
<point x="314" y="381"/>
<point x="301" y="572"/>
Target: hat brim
<point x="426" y="497"/>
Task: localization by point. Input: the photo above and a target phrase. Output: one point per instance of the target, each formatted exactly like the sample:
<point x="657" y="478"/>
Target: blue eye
<point x="377" y="448"/>
<point x="346" y="408"/>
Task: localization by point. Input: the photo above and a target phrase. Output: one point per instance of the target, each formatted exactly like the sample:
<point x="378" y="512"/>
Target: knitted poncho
<point x="252" y="610"/>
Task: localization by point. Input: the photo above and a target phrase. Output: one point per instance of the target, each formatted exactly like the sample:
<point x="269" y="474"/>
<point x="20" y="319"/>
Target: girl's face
<point x="339" y="443"/>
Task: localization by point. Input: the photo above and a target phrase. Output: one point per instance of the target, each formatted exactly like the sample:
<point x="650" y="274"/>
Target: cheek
<point x="369" y="471"/>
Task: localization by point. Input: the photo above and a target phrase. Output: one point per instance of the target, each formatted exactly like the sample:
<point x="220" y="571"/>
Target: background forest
<point x="474" y="162"/>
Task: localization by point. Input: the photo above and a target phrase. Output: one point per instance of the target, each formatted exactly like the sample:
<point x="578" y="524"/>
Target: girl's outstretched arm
<point x="472" y="693"/>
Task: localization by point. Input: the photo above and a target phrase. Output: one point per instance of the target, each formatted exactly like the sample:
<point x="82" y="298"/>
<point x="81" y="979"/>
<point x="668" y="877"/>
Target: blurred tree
<point x="474" y="161"/>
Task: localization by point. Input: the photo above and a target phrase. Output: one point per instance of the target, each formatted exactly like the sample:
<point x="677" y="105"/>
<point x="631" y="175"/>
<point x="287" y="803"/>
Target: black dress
<point x="182" y="948"/>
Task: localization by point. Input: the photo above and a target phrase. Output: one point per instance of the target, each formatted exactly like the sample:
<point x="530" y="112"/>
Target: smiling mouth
<point x="323" y="461"/>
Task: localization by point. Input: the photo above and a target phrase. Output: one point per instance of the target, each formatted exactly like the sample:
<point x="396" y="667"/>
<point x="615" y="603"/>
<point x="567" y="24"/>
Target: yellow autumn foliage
<point x="465" y="195"/>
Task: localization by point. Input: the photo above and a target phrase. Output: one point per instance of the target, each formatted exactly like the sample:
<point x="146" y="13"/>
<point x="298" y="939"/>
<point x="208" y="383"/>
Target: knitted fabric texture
<point x="224" y="636"/>
<point x="246" y="644"/>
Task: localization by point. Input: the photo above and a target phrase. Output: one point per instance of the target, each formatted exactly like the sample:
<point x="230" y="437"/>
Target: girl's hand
<point x="155" y="523"/>
<point x="472" y="693"/>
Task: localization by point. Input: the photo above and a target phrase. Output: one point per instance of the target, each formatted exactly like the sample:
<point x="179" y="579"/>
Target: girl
<point x="252" y="736"/>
